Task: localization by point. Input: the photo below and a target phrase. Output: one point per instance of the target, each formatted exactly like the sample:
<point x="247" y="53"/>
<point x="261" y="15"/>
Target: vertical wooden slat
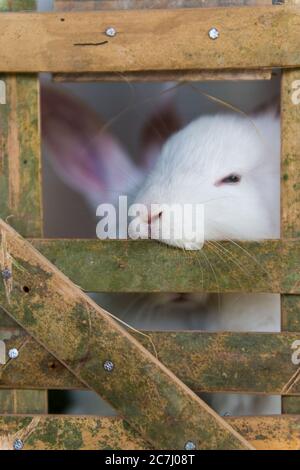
<point x="20" y="188"/>
<point x="290" y="193"/>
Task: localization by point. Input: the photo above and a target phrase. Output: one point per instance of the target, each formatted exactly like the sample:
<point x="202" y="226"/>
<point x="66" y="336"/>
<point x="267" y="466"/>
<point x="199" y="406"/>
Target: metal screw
<point x="213" y="33"/>
<point x="13" y="353"/>
<point x="6" y="274"/>
<point x="18" y="444"/>
<point x="108" y="366"/>
<point x="226" y="413"/>
<point x="111" y="32"/>
<point x="190" y="445"/>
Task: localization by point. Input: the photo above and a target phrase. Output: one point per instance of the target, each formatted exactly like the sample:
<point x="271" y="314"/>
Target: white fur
<point x="209" y="149"/>
<point x="191" y="162"/>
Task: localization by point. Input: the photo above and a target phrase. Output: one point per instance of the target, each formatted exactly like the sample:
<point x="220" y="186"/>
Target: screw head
<point x="190" y="445"/>
<point x="226" y="413"/>
<point x="108" y="366"/>
<point x="213" y="33"/>
<point x="6" y="274"/>
<point x="111" y="32"/>
<point x="13" y="353"/>
<point x="18" y="444"/>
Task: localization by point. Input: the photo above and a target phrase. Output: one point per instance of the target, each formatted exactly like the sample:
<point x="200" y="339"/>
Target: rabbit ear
<point x="85" y="155"/>
<point x="164" y="122"/>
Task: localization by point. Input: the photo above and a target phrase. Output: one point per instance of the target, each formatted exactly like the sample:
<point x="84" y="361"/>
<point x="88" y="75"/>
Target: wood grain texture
<point x="20" y="163"/>
<point x="132" y="266"/>
<point x="290" y="192"/>
<point x="291" y="405"/>
<point x="165" y="76"/>
<point x="206" y="362"/>
<point x="84" y="5"/>
<point x="95" y="433"/>
<point x="174" y="39"/>
<point x="20" y="183"/>
<point x="290" y="141"/>
<point x="67" y="5"/>
<point x="23" y="401"/>
<point x="83" y="337"/>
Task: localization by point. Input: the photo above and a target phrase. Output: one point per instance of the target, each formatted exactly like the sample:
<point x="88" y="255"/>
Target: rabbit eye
<point x="230" y="179"/>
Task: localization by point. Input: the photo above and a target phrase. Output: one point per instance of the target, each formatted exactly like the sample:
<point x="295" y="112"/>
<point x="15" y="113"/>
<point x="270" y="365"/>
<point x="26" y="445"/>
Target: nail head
<point x="111" y="32"/>
<point x="190" y="445"/>
<point x="18" y="444"/>
<point x="108" y="366"/>
<point x="13" y="353"/>
<point x="6" y="274"/>
<point x="213" y="33"/>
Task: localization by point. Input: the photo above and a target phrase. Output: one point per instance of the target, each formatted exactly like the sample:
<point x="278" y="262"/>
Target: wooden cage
<point x="62" y="338"/>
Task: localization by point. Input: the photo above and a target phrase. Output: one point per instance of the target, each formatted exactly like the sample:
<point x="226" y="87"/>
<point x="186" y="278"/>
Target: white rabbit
<point x="228" y="162"/>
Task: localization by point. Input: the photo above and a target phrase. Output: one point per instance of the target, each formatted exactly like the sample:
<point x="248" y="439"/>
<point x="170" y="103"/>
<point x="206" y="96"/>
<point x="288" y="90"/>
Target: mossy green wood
<point x="83" y="337"/>
<point x="103" y="433"/>
<point x="20" y="186"/>
<point x="206" y="362"/>
<point x="290" y="185"/>
<point x="147" y="266"/>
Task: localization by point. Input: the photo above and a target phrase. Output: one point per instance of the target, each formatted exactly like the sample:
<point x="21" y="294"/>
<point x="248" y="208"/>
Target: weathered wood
<point x="84" y="5"/>
<point x="69" y="433"/>
<point x="94" y="433"/>
<point x="133" y="266"/>
<point x="84" y="337"/>
<point x="290" y="191"/>
<point x="149" y="40"/>
<point x="67" y="5"/>
<point x="269" y="432"/>
<point x="23" y="402"/>
<point x="290" y="137"/>
<point x="20" y="188"/>
<point x="17" y="5"/>
<point x="165" y="76"/>
<point x="290" y="312"/>
<point x="205" y="362"/>
<point x="291" y="405"/>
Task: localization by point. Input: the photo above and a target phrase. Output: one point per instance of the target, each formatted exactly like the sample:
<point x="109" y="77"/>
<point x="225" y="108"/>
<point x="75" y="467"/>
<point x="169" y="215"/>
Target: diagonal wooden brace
<point x="83" y="337"/>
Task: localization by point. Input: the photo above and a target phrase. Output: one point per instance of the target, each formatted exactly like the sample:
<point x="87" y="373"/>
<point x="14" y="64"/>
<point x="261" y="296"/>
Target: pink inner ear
<point x="87" y="158"/>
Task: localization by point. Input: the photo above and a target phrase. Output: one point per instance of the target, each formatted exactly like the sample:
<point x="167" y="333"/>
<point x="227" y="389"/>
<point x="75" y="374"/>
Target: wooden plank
<point x="69" y="433"/>
<point x="20" y="163"/>
<point x="291" y="405"/>
<point x="206" y="362"/>
<point x="290" y="312"/>
<point x="85" y="5"/>
<point x="290" y="137"/>
<point x="290" y="192"/>
<point x="132" y="266"/>
<point x="100" y="433"/>
<point x="20" y="182"/>
<point x="67" y="5"/>
<point x="165" y="76"/>
<point x="250" y="38"/>
<point x="23" y="401"/>
<point x="83" y="337"/>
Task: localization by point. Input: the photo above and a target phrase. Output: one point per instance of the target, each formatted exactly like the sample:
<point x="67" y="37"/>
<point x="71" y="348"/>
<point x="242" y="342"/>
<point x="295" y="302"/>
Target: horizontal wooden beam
<point x="206" y="362"/>
<point x="103" y="355"/>
<point x="150" y="40"/>
<point x="146" y="266"/>
<point x="84" y="5"/>
<point x="103" y="433"/>
<point x="166" y="76"/>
